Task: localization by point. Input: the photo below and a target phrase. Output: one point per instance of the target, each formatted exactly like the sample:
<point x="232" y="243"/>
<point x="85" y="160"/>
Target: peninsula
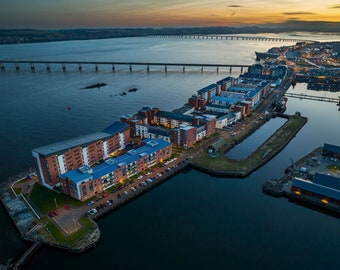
<point x="82" y="179"/>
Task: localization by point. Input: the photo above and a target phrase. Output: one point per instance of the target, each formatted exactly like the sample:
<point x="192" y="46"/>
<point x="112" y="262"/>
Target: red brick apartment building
<point x="87" y="181"/>
<point x="55" y="159"/>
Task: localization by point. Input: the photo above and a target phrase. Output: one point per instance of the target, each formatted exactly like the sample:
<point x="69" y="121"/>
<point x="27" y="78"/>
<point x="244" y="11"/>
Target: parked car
<point x="90" y="203"/>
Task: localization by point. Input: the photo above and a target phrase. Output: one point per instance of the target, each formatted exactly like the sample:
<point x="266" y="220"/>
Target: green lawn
<point x="74" y="238"/>
<point x="46" y="200"/>
<point x="222" y="163"/>
<point x="334" y="168"/>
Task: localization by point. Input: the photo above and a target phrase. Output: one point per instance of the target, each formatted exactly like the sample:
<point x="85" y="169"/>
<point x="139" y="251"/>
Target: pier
<point x="319" y="98"/>
<point x="232" y="37"/>
<point x="79" y="65"/>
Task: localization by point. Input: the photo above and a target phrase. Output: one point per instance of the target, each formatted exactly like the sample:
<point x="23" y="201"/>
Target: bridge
<point x="32" y="63"/>
<point x="233" y="37"/>
<point x="304" y="96"/>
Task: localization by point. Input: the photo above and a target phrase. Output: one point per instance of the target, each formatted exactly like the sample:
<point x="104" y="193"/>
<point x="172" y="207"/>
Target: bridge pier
<point x="63" y="67"/>
<point x="80" y="67"/>
<point x="230" y="69"/>
<point x="217" y="69"/>
<point x="241" y="69"/>
<point x="148" y="68"/>
<point x="96" y="67"/>
<point x="2" y="67"/>
<point x="17" y="67"/>
<point x="48" y="68"/>
<point x="165" y="68"/>
<point x="202" y="69"/>
<point x="183" y="68"/>
<point x="130" y="68"/>
<point x="113" y="68"/>
<point x="32" y="67"/>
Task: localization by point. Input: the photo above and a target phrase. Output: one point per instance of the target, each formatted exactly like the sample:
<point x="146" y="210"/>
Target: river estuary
<point x="194" y="220"/>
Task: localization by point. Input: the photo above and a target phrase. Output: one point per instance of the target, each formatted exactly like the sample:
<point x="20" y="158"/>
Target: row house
<point x="55" y="159"/>
<point x="88" y="181"/>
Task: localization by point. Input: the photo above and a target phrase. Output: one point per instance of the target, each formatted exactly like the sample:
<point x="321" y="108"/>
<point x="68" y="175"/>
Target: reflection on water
<point x="250" y="144"/>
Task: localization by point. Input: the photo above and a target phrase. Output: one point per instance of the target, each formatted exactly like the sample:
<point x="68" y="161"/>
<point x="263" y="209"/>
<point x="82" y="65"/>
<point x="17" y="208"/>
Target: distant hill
<point x="10" y="36"/>
<point x="315" y="26"/>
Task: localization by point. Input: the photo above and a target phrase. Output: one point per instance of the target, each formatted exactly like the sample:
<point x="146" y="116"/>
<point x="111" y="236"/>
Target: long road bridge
<point x="32" y="64"/>
<point x="233" y="37"/>
<point x="304" y="96"/>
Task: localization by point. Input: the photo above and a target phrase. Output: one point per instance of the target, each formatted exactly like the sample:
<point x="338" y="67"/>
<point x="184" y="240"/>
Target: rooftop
<point x="175" y="116"/>
<point x="207" y="88"/>
<point x="112" y="164"/>
<point x="84" y="140"/>
<point x="321" y="187"/>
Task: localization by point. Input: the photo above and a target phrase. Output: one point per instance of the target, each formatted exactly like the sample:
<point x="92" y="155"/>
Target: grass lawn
<point x="74" y="238"/>
<point x="45" y="200"/>
<point x="334" y="168"/>
<point x="268" y="149"/>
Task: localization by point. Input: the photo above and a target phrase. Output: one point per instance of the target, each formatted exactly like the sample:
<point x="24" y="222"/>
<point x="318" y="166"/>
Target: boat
<point x="264" y="55"/>
<point x="97" y="85"/>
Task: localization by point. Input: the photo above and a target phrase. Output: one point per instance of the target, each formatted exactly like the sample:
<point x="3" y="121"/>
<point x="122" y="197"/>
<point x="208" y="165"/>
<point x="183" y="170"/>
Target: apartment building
<point x="57" y="158"/>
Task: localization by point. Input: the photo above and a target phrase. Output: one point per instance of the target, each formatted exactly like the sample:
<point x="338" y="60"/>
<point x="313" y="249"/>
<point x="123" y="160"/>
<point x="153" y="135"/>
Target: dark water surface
<point x="193" y="221"/>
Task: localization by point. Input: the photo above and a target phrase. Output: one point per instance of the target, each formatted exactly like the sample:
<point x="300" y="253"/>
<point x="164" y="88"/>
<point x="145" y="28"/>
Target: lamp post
<point x="55" y="201"/>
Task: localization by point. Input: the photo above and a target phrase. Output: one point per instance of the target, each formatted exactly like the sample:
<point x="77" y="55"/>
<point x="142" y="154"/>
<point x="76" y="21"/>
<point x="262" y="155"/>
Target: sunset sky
<point x="48" y="14"/>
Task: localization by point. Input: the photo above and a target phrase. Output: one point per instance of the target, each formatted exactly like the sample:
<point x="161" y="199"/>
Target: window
<point x="91" y="187"/>
<point x="84" y="190"/>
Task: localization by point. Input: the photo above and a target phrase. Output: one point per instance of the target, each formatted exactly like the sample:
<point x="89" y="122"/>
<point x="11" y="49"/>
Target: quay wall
<point x="257" y="165"/>
<point x="131" y="196"/>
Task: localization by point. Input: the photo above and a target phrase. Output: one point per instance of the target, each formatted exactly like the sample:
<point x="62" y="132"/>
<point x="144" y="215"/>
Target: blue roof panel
<point x="317" y="188"/>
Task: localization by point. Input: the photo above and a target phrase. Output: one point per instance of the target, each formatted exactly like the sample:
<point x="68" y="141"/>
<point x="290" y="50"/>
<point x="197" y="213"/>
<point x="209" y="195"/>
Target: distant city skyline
<point x="47" y="14"/>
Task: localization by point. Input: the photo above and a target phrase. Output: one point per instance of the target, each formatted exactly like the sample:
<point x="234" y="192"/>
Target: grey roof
<point x="175" y="116"/>
<point x="321" y="188"/>
<point x="331" y="148"/>
<point x="59" y="147"/>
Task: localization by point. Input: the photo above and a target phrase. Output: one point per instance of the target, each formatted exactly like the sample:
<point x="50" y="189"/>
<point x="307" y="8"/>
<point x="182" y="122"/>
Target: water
<point x="193" y="221"/>
<point x="249" y="145"/>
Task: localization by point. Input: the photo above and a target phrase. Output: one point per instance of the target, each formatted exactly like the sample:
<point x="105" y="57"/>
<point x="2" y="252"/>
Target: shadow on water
<point x="314" y="207"/>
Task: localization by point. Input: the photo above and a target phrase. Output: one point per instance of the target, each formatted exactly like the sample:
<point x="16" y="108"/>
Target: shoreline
<point x="282" y="187"/>
<point x="267" y="156"/>
<point x="38" y="233"/>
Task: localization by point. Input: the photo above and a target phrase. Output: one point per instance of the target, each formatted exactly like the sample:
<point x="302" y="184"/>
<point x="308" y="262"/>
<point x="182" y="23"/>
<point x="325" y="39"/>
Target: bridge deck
<point x="304" y="96"/>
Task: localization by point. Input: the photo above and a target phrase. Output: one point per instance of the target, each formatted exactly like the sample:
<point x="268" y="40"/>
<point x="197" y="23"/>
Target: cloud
<point x="235" y="6"/>
<point x="334" y="7"/>
<point x="299" y="13"/>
